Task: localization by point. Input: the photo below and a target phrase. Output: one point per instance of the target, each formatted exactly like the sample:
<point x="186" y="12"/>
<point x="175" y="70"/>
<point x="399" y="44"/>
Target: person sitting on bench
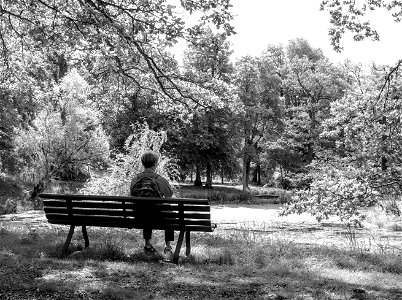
<point x="150" y="184"/>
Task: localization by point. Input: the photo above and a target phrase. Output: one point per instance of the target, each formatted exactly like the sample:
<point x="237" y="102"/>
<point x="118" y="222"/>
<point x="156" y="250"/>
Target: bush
<point x="9" y="207"/>
<point x="242" y="197"/>
<point x="125" y="166"/>
<point x="217" y="196"/>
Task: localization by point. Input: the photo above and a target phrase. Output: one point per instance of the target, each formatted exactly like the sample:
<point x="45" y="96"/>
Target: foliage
<point x="124" y="166"/>
<point x="364" y="166"/>
<point x="9" y="207"/>
<point x="353" y="16"/>
<point x="66" y="134"/>
<point x="17" y="109"/>
<point x="114" y="37"/>
<point x="258" y="88"/>
<point x="335" y="191"/>
<point x="309" y="87"/>
<point x="205" y="136"/>
<point x="208" y="55"/>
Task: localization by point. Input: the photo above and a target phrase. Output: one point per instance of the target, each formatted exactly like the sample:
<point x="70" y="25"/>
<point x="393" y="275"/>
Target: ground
<point x="253" y="254"/>
<point x="284" y="270"/>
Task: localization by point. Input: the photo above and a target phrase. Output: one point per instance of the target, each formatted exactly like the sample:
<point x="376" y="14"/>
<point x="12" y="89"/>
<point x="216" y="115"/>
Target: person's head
<point x="149" y="159"/>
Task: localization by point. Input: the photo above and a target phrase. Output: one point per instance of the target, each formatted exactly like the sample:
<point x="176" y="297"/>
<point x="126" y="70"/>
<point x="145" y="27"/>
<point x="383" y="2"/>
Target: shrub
<point x="126" y="165"/>
<point x="218" y="196"/>
<point x="242" y="197"/>
<point x="9" y="207"/>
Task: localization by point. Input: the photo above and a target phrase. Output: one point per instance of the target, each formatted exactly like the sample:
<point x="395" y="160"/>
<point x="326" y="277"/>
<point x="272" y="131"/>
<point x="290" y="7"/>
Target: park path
<point x="265" y="222"/>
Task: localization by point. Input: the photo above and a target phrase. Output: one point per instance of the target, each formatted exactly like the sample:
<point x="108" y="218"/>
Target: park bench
<point x="178" y="214"/>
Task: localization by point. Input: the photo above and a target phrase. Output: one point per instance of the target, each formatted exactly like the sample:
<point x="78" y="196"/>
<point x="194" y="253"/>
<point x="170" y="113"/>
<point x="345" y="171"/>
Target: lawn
<point x="231" y="263"/>
<point x="261" y="256"/>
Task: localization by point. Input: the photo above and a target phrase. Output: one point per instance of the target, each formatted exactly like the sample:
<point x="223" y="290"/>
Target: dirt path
<point x="264" y="220"/>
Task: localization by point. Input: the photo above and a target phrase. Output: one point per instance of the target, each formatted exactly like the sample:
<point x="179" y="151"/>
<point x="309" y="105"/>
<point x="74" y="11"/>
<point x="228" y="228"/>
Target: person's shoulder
<point x="161" y="178"/>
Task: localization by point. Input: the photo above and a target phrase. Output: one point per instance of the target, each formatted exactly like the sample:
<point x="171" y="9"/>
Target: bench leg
<point x="85" y="234"/>
<point x="68" y="240"/>
<point x="178" y="246"/>
<point x="188" y="246"/>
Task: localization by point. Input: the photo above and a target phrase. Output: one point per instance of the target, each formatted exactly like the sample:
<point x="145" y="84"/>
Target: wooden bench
<point x="183" y="215"/>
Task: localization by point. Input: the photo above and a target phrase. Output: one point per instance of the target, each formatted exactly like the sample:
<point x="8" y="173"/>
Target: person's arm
<point x="165" y="187"/>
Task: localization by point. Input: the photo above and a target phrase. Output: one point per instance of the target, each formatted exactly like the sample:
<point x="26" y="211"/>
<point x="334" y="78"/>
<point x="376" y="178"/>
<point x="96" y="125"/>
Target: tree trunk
<point x="255" y="175"/>
<point x="310" y="152"/>
<point x="248" y="168"/>
<point x="208" y="183"/>
<point x="384" y="161"/>
<point x="246" y="173"/>
<point x="198" y="181"/>
<point x="310" y="145"/>
<point x="258" y="173"/>
<point x="222" y="175"/>
<point x="39" y="188"/>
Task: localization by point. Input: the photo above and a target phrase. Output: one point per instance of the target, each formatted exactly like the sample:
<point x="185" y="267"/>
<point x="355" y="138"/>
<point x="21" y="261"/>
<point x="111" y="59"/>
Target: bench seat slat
<point x="111" y="219"/>
<point x="127" y="213"/>
<point x="128" y="224"/>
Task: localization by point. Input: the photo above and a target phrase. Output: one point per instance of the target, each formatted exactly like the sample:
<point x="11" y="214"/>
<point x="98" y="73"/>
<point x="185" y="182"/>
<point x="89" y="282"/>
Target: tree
<point x="365" y="166"/>
<point x="299" y="48"/>
<point x="208" y="134"/>
<point x="65" y="137"/>
<point x="209" y="54"/>
<point x="258" y="86"/>
<point x="126" y="36"/>
<point x="352" y="16"/>
<point x="310" y="83"/>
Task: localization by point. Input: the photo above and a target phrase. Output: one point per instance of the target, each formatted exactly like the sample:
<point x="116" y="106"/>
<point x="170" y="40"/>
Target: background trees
<point x="121" y="50"/>
<point x="80" y="80"/>
<point x="66" y="136"/>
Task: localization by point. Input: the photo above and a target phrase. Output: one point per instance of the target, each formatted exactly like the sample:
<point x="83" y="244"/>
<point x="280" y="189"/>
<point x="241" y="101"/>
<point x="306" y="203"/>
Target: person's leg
<point x="167" y="252"/>
<point x="169" y="237"/>
<point x="147" y="234"/>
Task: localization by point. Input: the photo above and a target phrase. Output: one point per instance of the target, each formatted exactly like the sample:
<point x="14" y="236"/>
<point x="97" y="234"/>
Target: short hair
<point x="149" y="159"/>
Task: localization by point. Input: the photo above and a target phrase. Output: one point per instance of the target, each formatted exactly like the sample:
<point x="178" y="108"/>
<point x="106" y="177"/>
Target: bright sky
<point x="259" y="23"/>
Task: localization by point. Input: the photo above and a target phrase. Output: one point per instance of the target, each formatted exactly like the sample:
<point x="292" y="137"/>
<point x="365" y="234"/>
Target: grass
<point x="249" y="261"/>
<point x="227" y="264"/>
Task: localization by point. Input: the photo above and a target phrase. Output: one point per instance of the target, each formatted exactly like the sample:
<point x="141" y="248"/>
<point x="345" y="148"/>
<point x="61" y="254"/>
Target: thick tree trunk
<point x="198" y="181"/>
<point x="208" y="183"/>
<point x="248" y="168"/>
<point x="246" y="173"/>
<point x="254" y="179"/>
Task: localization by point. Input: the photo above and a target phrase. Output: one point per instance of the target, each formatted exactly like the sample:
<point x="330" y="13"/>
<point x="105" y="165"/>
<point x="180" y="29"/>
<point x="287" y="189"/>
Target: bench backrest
<point x="128" y="212"/>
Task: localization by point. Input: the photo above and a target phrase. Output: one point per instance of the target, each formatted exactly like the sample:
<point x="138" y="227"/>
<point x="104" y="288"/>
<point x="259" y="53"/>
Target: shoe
<point x="149" y="250"/>
<point x="168" y="254"/>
